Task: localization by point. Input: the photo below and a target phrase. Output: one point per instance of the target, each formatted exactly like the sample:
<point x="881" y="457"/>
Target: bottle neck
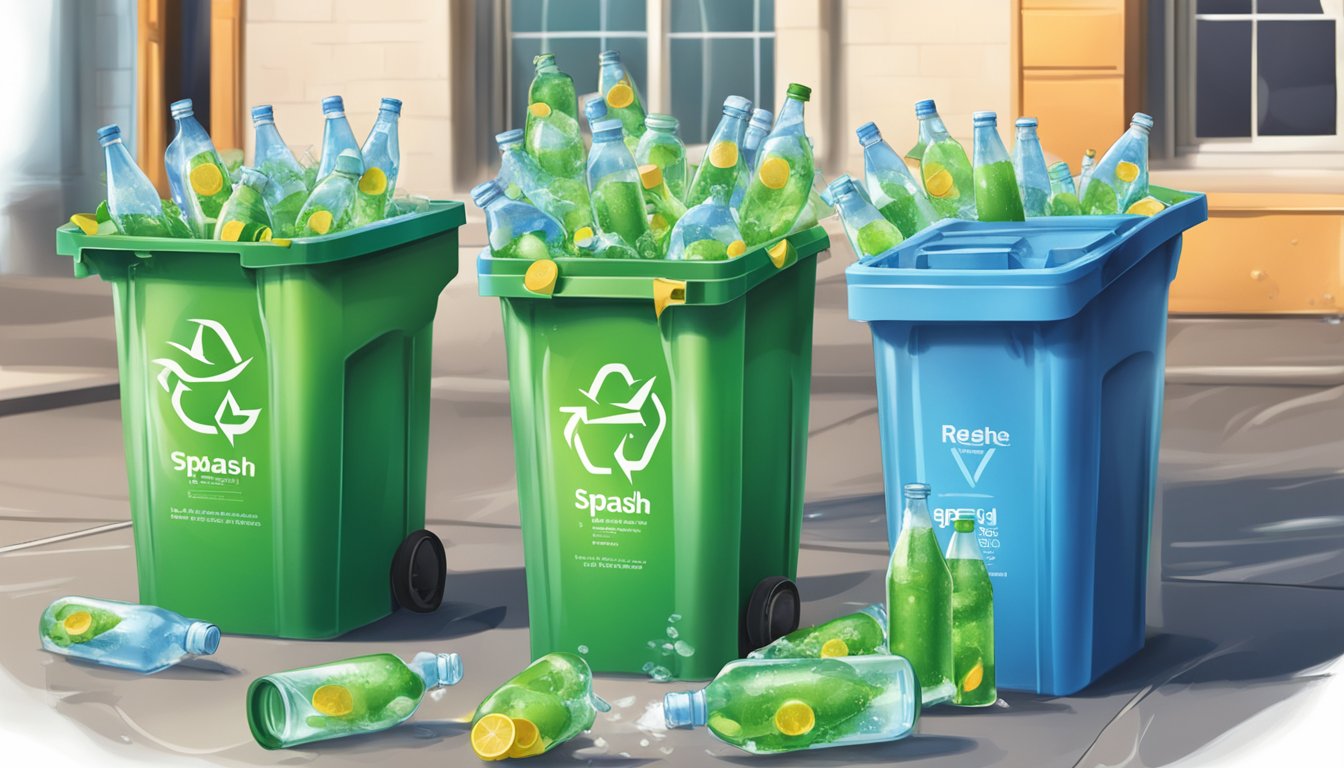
<point x="437" y="669"/>
<point x="790" y="113"/>
<point x="931" y="128"/>
<point x="732" y="127"/>
<point x="202" y="639"/>
<point x="988" y="146"/>
<point x="916" y="514"/>
<point x="963" y="546"/>
<point x="685" y="710"/>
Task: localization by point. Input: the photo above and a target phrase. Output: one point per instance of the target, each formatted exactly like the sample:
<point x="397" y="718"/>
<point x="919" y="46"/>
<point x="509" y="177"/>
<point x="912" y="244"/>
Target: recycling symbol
<point x="230" y="420"/>
<point x="629" y="413"/>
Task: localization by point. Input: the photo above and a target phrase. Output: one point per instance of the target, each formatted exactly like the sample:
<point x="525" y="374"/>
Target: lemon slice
<point x="264" y="235"/>
<point x="974" y="678"/>
<point x="333" y="700"/>
<point x="320" y="222"/>
<point x="493" y="736"/>
<point x="87" y="223"/>
<point x="1126" y="171"/>
<point x="231" y="230"/>
<point x="621" y="95"/>
<point x="206" y="179"/>
<point x="736" y="248"/>
<point x="795" y="718"/>
<point x="583" y="233"/>
<point x="526" y="735"/>
<point x="833" y="648"/>
<point x="540" y="109"/>
<point x="1147" y="206"/>
<point x="938" y="181"/>
<point x="373" y="182"/>
<point x="77" y="623"/>
<point x="774" y="172"/>
<point x="723" y="154"/>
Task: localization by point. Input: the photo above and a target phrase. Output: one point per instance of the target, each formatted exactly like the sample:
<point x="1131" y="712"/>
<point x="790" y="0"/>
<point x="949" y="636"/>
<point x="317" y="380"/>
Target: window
<point x="1261" y="75"/>
<point x="709" y="50"/>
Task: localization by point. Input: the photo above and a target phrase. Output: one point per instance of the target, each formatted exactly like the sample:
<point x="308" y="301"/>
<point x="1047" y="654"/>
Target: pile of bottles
<point x="633" y="194"/>
<point x="891" y="205"/>
<point x="277" y="197"/>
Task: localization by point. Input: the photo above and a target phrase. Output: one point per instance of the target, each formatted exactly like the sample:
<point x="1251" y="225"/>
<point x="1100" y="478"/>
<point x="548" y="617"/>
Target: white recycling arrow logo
<point x="632" y="414"/>
<point x="241" y="419"/>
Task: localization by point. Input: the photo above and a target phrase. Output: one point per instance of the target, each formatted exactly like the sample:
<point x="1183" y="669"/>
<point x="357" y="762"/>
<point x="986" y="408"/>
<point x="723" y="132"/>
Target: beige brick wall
<point x="299" y="51"/>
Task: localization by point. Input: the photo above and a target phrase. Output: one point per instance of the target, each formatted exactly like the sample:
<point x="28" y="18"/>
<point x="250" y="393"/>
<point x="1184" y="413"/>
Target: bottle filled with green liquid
<point x="665" y="208"/>
<point x="768" y="706"/>
<point x="518" y="230"/>
<point x="708" y="232"/>
<point x="331" y="206"/>
<point x="1120" y="177"/>
<point x="382" y="163"/>
<point x="244" y="217"/>
<point x="869" y="232"/>
<point x="133" y="203"/>
<point x="343" y="698"/>
<point x="1063" y="195"/>
<point x="919" y="597"/>
<point x="857" y="634"/>
<point x="661" y="146"/>
<point x="545" y="705"/>
<point x="898" y="197"/>
<point x="564" y="199"/>
<point x="782" y="180"/>
<point x="205" y="182"/>
<point x="554" y="141"/>
<point x="724" y="164"/>
<point x="617" y="196"/>
<point x="972" y="618"/>
<point x="618" y="89"/>
<point x="997" y="197"/>
<point x="943" y="165"/>
<point x="551" y="87"/>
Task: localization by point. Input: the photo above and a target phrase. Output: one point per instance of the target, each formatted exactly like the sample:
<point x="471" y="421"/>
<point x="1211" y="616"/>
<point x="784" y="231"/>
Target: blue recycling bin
<point x="1020" y="374"/>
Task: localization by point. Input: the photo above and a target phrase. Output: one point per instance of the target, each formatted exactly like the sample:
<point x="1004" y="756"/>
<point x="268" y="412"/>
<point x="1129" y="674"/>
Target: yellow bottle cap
<point x="938" y="180"/>
<point x="650" y="175"/>
<point x="77" y="623"/>
<point x="87" y="223"/>
<point x="320" y="222"/>
<point x="1147" y="207"/>
<point x="582" y="233"/>
<point x="736" y="248"/>
<point x="231" y="231"/>
<point x="541" y="276"/>
<point x="1126" y="171"/>
<point x="779" y="253"/>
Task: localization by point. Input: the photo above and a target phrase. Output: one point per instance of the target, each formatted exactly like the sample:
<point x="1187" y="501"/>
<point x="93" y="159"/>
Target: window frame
<point x="1184" y="92"/>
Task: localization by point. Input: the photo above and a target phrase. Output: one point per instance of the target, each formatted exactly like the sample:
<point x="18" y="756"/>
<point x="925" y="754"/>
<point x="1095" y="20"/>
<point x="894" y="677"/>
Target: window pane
<point x="625" y="15"/>
<point x="705" y="72"/>
<point x="1223" y="79"/>
<point x="712" y="16"/>
<point x="1297" y="85"/>
<point x="525" y="15"/>
<point x="767" y="15"/>
<point x="1221" y="6"/>
<point x="768" y="84"/>
<point x="1290" y="6"/>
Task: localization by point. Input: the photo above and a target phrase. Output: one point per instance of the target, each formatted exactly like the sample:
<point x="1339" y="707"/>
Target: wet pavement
<point x="1246" y="603"/>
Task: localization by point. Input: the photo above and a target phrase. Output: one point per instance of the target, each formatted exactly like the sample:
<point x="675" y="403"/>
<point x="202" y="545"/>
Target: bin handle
<point x="666" y="293"/>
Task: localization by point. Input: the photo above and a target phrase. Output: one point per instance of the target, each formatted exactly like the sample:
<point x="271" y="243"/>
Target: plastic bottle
<point x="855" y="634"/>
<point x="132" y="202"/>
<point x="665" y="209"/>
<point x="1033" y="182"/>
<point x="972" y="618"/>
<point x="757" y="129"/>
<point x="1120" y="178"/>
<point x="139" y="638"/>
<point x="767" y="706"/>
<point x="517" y="230"/>
<point x="919" y="598"/>
<point x="343" y="698"/>
<point x="565" y="200"/>
<point x="944" y="167"/>
<point x="891" y="188"/>
<point x="382" y="159"/>
<point x="723" y="165"/>
<point x="330" y="208"/>
<point x="1063" y="196"/>
<point x="869" y="232"/>
<point x="708" y="232"/>
<point x="204" y="182"/>
<point x="1089" y="161"/>
<point x="336" y="136"/>
<point x="622" y="96"/>
<point x="594" y="111"/>
<point x="996" y="195"/>
<point x="661" y="146"/>
<point x="555" y="142"/>
<point x="618" y="201"/>
<point x="545" y="705"/>
<point x="551" y="87"/>
<point x="288" y="189"/>
<point x="244" y="217"/>
<point x="782" y="181"/>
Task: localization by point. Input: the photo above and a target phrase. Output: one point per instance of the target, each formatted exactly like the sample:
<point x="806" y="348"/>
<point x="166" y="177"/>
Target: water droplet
<point x="600" y="742"/>
<point x="653" y="643"/>
<point x="673" y="633"/>
<point x="660" y="674"/>
<point x="648" y="666"/>
<point x="583" y="649"/>
<point x="674" y="618"/>
<point x="667" y="649"/>
<point x="643" y="742"/>
<point x="684" y="648"/>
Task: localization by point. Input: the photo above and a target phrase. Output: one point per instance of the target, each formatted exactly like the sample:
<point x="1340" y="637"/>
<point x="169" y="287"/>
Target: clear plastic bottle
<point x="132" y="202"/>
<point x="382" y="159"/>
<point x="244" y="217"/>
<point x="565" y="200"/>
<point x="618" y="200"/>
<point x="665" y="208"/>
<point x="330" y="208"/>
<point x="898" y="197"/>
<point x="540" y="708"/>
<point x="708" y="232"/>
<point x="622" y="96"/>
<point x="204" y="182"/>
<point x="768" y="706"/>
<point x="288" y="189"/>
<point x="972" y="618"/>
<point x="1120" y="178"/>
<point x="869" y="232"/>
<point x="1063" y="195"/>
<point x="782" y="181"/>
<point x="139" y="638"/>
<point x="757" y="129"/>
<point x="1085" y="167"/>
<point x="1033" y="182"/>
<point x="661" y="146"/>
<point x="723" y="165"/>
<point x="943" y="167"/>
<point x="996" y="195"/>
<point x="336" y="136"/>
<point x="861" y="633"/>
<point x="555" y="142"/>
<point x="919" y="598"/>
<point x="343" y="698"/>
<point x="518" y="230"/>
<point x="552" y="87"/>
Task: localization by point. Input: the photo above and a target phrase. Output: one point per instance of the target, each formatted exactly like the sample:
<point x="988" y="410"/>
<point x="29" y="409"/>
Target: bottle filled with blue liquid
<point x="1033" y="181"/>
<point x="518" y="230"/>
<point x="382" y="159"/>
<point x="139" y="638"/>
<point x="336" y="136"/>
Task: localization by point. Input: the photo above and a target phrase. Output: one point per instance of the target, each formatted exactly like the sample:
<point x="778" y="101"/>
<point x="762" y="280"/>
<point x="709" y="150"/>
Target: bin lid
<point x="442" y="216"/>
<point x="1042" y="269"/>
<point x="689" y="282"/>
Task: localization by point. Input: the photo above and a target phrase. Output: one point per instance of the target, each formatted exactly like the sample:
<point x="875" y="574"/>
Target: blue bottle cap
<point x="985" y="118"/>
<point x="737" y="106"/>
<point x="762" y="119"/>
<point x="595" y="109"/>
<point x="607" y="130"/>
<point x="263" y="113"/>
<point x="180" y="108"/>
<point x="868" y="134"/>
<point x="350" y="163"/>
<point x="333" y="104"/>
<point x="390" y="104"/>
<point x="514" y="136"/>
<point x="482" y="194"/>
<point x="109" y="133"/>
<point x="917" y="490"/>
<point x="925" y="108"/>
<point x="841" y="187"/>
<point x="1026" y="122"/>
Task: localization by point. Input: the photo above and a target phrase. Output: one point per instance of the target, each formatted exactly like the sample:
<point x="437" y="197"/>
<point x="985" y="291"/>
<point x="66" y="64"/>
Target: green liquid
<point x="709" y="176"/>
<point x="1065" y="204"/>
<point x="555" y="693"/>
<point x="286" y="213"/>
<point x="573" y="206"/>
<point x="957" y="201"/>
<point x="877" y="236"/>
<point x="972" y="633"/>
<point x="210" y="204"/>
<point x="339" y="222"/>
<point x="103" y="620"/>
<point x="902" y="210"/>
<point x="143" y="225"/>
<point x="556" y="90"/>
<point x="172" y="217"/>
<point x="618" y="207"/>
<point x="527" y="246"/>
<point x="996" y="194"/>
<point x="705" y="250"/>
<point x="1099" y="199"/>
<point x="382" y="689"/>
<point x="671" y="159"/>
<point x="861" y="634"/>
<point x="767" y="214"/>
<point x="919" y="606"/>
<point x="742" y="704"/>
<point x="556" y="145"/>
<point x="245" y="205"/>
<point x="371" y="208"/>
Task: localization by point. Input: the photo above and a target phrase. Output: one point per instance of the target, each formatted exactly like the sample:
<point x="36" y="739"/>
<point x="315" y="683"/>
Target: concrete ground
<point x="1246" y="598"/>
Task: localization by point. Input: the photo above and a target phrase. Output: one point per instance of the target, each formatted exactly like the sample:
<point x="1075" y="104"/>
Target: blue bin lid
<point x="1039" y="270"/>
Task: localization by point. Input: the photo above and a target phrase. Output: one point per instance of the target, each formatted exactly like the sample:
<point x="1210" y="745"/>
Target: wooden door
<point x="226" y="73"/>
<point x="151" y="104"/>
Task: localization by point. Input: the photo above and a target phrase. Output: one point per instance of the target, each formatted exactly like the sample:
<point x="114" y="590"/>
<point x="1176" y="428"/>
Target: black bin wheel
<point x="772" y="612"/>
<point x="419" y="572"/>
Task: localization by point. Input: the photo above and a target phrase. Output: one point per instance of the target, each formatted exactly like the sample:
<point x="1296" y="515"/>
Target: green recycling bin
<point x="660" y="431"/>
<point x="275" y="403"/>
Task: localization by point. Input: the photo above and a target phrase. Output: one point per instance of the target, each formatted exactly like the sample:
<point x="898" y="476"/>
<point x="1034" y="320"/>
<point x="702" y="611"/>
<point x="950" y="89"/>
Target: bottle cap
<point x="263" y="113"/>
<point x="762" y="119"/>
<point x="799" y="91"/>
<point x="684" y="710"/>
<point x="543" y="60"/>
<point x="390" y="104"/>
<point x="917" y="490"/>
<point x="661" y="122"/>
<point x="333" y="104"/>
<point x="964" y="524"/>
<point x="595" y="109"/>
<point x="202" y="638"/>
<point x="180" y="108"/>
<point x="737" y="106"/>
<point x="650" y="175"/>
<point x="485" y="192"/>
<point x="925" y="108"/>
<point x="868" y="134"/>
<point x="350" y="163"/>
<point x="607" y="130"/>
<point x="108" y="134"/>
<point x="841" y="186"/>
<point x="606" y="57"/>
<point x="449" y="668"/>
<point x="510" y="137"/>
<point x="1090" y="152"/>
<point x="985" y="118"/>
<point x="1026" y="122"/>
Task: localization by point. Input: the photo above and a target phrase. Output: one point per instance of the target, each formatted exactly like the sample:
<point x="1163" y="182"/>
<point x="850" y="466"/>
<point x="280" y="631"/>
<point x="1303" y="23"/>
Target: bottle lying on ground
<point x="856" y="634"/>
<point x="139" y="638"/>
<point x="545" y="705"/>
